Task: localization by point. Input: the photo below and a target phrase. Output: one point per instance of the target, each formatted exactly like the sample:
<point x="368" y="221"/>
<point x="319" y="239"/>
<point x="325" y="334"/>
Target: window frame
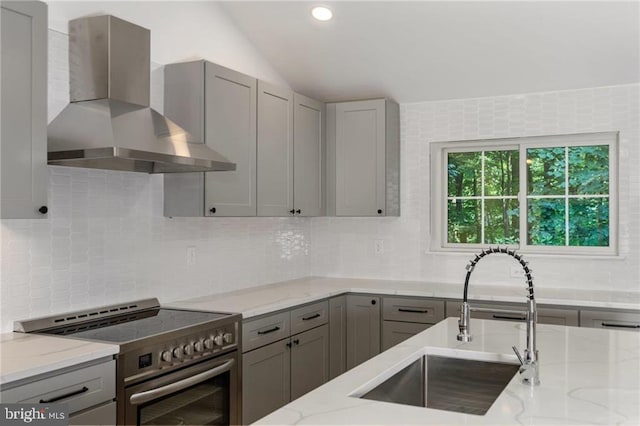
<point x="439" y="190"/>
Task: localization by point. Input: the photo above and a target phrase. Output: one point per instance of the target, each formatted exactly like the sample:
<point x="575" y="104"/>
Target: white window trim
<point x="439" y="178"/>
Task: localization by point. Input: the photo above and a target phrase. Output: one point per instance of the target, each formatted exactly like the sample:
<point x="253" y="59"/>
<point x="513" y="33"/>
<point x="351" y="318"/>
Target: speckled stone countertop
<point x="588" y="376"/>
<point x="25" y="355"/>
<point x="272" y="297"/>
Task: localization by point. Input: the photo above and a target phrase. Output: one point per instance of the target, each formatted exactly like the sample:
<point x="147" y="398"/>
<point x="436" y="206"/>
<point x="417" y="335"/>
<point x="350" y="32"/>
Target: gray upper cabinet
<point x="23" y="150"/>
<point x="363" y="328"/>
<point x="363" y="158"/>
<point x="218" y="106"/>
<point x="275" y="150"/>
<point x="308" y="154"/>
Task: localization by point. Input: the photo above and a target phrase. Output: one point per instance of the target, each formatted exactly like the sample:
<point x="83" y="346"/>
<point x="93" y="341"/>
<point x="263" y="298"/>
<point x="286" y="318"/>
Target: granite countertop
<point x="587" y="376"/>
<point x="272" y="297"/>
<point x="25" y="355"/>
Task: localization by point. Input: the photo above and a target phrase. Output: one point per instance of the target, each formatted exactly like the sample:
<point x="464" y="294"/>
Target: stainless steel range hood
<point x="109" y="124"/>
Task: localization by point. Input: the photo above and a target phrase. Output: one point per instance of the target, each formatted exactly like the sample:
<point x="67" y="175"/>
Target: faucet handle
<point x="517" y="352"/>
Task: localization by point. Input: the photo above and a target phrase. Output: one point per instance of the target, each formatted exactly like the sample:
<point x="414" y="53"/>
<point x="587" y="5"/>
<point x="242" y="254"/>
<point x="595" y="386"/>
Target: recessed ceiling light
<point x="322" y="13"/>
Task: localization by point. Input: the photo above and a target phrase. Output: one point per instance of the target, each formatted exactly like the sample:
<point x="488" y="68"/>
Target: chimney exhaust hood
<point x="109" y="124"/>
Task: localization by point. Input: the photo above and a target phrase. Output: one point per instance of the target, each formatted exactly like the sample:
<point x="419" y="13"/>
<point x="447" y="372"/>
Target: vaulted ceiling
<point x="426" y="50"/>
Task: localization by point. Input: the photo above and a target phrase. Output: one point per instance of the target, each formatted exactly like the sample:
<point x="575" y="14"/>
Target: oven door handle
<point x="146" y="396"/>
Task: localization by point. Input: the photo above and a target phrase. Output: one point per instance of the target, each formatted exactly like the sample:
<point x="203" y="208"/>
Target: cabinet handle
<point x="413" y="311"/>
<point x="43" y="209"/>
<point x="311" y="317"/>
<point x="66" y="395"/>
<point x="292" y="211"/>
<point x="298" y="211"/>
<point x="507" y="317"/>
<point x="607" y="324"/>
<point x="379" y="211"/>
<point x="271" y="330"/>
<point x="296" y="342"/>
<point x="212" y="210"/>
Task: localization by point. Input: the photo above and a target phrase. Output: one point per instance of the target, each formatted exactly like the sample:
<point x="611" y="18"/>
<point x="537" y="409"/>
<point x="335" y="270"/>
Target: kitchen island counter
<point x="588" y="376"/>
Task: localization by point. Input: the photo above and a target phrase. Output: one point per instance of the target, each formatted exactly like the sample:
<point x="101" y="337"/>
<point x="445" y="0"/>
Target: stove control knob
<point x="218" y="340"/>
<point x="177" y="352"/>
<point x="208" y="343"/>
<point x="198" y="346"/>
<point x="166" y="356"/>
<point x="227" y="337"/>
<point x="188" y="349"/>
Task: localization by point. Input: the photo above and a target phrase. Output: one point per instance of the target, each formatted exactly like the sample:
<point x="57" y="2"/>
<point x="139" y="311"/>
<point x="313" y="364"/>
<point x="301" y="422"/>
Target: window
<point x="550" y="194"/>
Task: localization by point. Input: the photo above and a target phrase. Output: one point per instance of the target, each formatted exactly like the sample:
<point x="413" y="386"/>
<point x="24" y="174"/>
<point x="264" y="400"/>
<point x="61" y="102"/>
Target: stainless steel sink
<point x="444" y="383"/>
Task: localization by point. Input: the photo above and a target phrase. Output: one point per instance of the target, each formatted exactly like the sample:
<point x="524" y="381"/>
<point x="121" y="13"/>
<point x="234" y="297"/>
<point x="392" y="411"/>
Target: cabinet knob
<point x="292" y="211"/>
<point x="43" y="209"/>
<point x="296" y="342"/>
<point x="379" y="211"/>
<point x="289" y="344"/>
<point x="373" y="301"/>
<point x="298" y="211"/>
<point x="212" y="210"/>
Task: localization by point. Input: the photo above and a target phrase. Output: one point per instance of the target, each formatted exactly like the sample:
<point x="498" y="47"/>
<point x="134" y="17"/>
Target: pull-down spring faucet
<point x="529" y="364"/>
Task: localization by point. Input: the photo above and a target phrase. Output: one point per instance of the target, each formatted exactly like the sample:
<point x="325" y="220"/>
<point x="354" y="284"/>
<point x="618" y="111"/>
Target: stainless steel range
<point x="174" y="366"/>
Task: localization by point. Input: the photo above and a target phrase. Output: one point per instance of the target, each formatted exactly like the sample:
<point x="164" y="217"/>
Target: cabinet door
<point x="309" y="360"/>
<point x="308" y="165"/>
<point x="275" y="151"/>
<point x="101" y="415"/>
<point x="230" y="129"/>
<point x="360" y="158"/>
<point x="363" y="328"/>
<point x="394" y="332"/>
<point x="337" y="336"/>
<point x="23" y="149"/>
<point x="266" y="382"/>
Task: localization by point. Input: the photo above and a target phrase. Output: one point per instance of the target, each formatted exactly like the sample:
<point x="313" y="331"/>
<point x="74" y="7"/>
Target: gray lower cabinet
<point x="613" y="320"/>
<point x="308" y="156"/>
<point x="217" y="106"/>
<point x="23" y="147"/>
<point x="309" y="360"/>
<point x="363" y="158"/>
<point x="275" y="151"/>
<point x="546" y="314"/>
<point x="88" y="390"/>
<point x="266" y="380"/>
<point x="363" y="328"/>
<point x="394" y="332"/>
<point x="337" y="336"/>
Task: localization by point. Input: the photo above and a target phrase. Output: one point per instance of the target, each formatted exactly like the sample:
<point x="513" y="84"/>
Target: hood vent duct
<point x="109" y="124"/>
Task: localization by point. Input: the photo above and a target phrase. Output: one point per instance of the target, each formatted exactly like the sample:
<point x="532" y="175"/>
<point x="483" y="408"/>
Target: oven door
<point x="207" y="393"/>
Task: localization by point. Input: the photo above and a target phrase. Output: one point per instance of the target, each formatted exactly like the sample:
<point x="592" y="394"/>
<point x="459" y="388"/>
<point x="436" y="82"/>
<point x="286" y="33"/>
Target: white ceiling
<point x="419" y="50"/>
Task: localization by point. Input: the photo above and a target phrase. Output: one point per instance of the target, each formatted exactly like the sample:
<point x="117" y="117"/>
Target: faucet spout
<point x="529" y="363"/>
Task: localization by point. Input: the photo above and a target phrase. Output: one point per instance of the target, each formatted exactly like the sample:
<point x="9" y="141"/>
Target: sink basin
<point x="445" y="383"/>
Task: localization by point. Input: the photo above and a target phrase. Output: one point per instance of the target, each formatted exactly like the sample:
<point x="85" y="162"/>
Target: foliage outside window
<point x="547" y="194"/>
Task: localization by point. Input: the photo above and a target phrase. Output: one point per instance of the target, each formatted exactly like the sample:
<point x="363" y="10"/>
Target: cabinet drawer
<point x="308" y="317"/>
<point x="546" y="315"/>
<point x="394" y="332"/>
<point x="614" y="320"/>
<point x="413" y="310"/>
<point x="80" y="389"/>
<point x="260" y="332"/>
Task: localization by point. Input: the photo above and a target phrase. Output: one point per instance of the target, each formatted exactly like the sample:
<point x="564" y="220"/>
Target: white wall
<point x="344" y="247"/>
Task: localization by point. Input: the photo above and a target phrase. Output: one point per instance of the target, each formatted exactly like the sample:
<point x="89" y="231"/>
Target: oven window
<point x="206" y="403"/>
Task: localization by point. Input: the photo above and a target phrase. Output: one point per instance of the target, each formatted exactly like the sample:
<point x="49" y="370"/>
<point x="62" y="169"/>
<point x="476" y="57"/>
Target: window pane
<point x="464" y="169"/>
<point x="589" y="222"/>
<point x="545" y="222"/>
<point x="501" y="172"/>
<point x="545" y="171"/>
<point x="502" y="222"/>
<point x="589" y="170"/>
<point x="463" y="221"/>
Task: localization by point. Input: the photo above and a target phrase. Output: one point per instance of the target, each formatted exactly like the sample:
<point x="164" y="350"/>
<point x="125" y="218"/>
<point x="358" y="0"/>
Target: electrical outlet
<point x="191" y="255"/>
<point x="516" y="272"/>
<point x="378" y="246"/>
